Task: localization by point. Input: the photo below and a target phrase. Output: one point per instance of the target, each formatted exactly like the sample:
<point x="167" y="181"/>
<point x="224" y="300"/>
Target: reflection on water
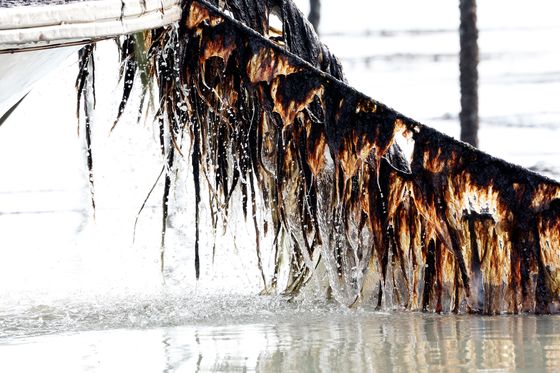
<point x="328" y="341"/>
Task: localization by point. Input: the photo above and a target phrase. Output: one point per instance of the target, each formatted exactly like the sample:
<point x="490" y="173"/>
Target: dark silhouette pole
<point x="315" y="14"/>
<point x="468" y="66"/>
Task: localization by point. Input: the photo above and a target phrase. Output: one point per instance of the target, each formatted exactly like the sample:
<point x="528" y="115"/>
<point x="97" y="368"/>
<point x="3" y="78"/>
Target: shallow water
<point x="244" y="334"/>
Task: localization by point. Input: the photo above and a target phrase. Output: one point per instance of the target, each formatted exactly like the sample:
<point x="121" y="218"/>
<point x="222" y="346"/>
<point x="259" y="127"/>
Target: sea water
<point x="247" y="334"/>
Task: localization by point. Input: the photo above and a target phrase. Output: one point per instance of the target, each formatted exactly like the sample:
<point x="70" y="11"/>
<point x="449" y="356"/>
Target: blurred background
<point x="405" y="54"/>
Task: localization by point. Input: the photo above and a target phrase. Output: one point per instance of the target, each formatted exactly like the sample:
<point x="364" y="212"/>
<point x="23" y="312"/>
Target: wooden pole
<point x="468" y="66"/>
<point x="315" y="14"/>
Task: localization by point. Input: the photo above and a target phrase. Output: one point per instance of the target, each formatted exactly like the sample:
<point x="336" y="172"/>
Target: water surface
<point x="269" y="334"/>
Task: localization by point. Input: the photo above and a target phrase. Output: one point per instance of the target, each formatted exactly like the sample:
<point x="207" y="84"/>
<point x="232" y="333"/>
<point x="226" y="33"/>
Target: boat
<point x="38" y="35"/>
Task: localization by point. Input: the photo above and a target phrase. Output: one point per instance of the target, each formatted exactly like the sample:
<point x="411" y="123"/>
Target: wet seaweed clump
<point x="374" y="206"/>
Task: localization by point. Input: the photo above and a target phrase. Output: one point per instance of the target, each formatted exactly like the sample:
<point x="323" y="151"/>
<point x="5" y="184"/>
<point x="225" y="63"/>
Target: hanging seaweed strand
<point x="85" y="86"/>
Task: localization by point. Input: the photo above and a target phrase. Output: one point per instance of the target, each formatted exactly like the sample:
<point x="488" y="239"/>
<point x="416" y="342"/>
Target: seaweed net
<point x="374" y="206"/>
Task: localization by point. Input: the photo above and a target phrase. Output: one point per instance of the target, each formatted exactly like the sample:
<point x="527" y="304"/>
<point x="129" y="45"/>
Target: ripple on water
<point x="261" y="333"/>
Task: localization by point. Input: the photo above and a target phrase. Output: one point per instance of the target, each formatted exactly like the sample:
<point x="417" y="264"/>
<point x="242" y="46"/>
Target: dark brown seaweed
<point x="395" y="213"/>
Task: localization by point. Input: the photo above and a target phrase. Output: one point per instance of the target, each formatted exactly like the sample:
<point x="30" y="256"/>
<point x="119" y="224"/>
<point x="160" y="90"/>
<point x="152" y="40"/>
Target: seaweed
<point x="85" y="86"/>
<point x="442" y="228"/>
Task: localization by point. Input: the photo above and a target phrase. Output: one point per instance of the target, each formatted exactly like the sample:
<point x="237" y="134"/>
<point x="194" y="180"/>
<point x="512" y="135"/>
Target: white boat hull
<point x="19" y="71"/>
<point x="32" y="27"/>
<point x="35" y="39"/>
